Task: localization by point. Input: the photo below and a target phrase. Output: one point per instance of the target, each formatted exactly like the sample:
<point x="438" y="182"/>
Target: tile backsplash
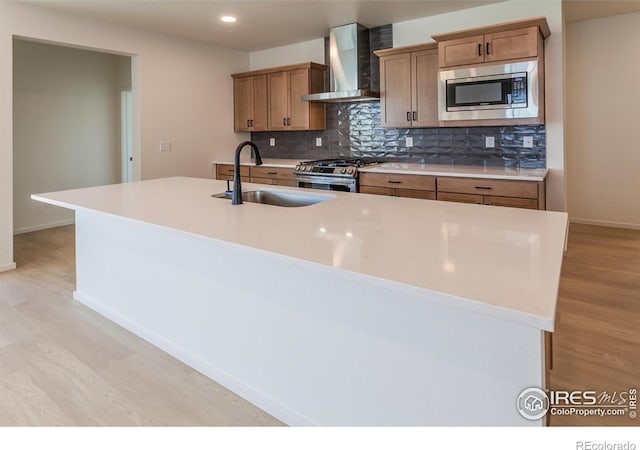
<point x="353" y="130"/>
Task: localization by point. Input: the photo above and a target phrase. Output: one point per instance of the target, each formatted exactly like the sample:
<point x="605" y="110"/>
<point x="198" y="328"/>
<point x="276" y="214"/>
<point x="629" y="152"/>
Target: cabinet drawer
<point x="481" y="186"/>
<point x="460" y="198"/>
<point x="393" y="181"/>
<point x="259" y="180"/>
<point x="414" y="193"/>
<point x="290" y="183"/>
<point x="375" y="190"/>
<point x="272" y="172"/>
<point x="527" y="203"/>
<point x="223" y="170"/>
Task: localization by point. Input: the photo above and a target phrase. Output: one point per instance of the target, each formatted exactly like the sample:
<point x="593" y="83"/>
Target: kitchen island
<point x="358" y="310"/>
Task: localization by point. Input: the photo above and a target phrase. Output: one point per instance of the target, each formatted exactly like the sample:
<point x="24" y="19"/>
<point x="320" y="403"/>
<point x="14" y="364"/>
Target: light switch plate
<point x="489" y="142"/>
<point x="272" y="142"/>
<point x="527" y="142"/>
<point x="409" y="142"/>
<point x="165" y="146"/>
<point x="319" y="142"/>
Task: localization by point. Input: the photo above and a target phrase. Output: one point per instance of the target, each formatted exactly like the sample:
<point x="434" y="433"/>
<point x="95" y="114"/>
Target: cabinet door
<point x="260" y="103"/>
<point x="425" y="88"/>
<point x="242" y="103"/>
<point x="298" y="118"/>
<point x="458" y="52"/>
<point x="278" y="100"/>
<point x="395" y="91"/>
<point x="513" y="44"/>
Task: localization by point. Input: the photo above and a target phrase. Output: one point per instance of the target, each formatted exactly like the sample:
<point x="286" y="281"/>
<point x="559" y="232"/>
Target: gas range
<point x="331" y="174"/>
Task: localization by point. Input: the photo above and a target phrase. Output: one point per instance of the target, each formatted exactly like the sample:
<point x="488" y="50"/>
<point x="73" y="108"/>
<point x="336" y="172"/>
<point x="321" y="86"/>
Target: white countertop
<point x="499" y="261"/>
<point x="459" y="171"/>
<point x="270" y="162"/>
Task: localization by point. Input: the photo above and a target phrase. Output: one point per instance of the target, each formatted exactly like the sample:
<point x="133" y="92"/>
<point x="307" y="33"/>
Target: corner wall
<point x="603" y="154"/>
<point x="182" y="92"/>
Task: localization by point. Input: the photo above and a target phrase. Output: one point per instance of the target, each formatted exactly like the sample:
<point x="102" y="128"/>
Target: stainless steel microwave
<point x="506" y="91"/>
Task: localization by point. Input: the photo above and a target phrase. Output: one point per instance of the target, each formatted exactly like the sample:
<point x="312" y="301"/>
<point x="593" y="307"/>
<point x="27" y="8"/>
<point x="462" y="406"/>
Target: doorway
<point x="126" y="132"/>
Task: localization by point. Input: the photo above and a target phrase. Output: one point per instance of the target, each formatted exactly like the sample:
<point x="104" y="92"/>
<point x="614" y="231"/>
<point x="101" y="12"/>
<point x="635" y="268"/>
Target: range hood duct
<point x="349" y="67"/>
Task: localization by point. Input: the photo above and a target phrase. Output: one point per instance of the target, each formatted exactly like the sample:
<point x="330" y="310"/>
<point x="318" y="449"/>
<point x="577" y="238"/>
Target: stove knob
<point x="308" y="168"/>
<point x="298" y="167"/>
<point x="343" y="170"/>
<point x="350" y="170"/>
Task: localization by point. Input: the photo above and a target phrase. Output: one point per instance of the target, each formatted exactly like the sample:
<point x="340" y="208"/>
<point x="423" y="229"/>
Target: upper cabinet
<point x="408" y="86"/>
<point x="250" y="103"/>
<point x="508" y="41"/>
<point x="270" y="99"/>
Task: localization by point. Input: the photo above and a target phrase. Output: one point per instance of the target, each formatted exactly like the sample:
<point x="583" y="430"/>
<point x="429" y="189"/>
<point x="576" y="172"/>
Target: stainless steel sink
<point x="278" y="198"/>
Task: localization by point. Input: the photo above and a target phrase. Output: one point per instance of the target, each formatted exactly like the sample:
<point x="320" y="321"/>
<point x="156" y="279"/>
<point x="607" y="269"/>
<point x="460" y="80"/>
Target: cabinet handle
<point x="248" y="123"/>
<point x="487" y="51"/>
<point x="272" y="173"/>
<point x="395" y="182"/>
<point x="479" y="49"/>
<point x="484" y="188"/>
<point x="288" y="121"/>
<point x="415" y="116"/>
<point x="251" y="123"/>
<point x="408" y="116"/>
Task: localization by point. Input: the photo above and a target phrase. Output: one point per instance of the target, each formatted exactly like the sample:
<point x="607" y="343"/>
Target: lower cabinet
<point x="413" y="186"/>
<point x="258" y="174"/>
<point x="512" y="193"/>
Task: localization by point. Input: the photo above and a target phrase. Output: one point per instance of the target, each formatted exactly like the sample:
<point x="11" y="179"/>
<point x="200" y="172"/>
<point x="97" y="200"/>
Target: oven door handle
<point x="326" y="180"/>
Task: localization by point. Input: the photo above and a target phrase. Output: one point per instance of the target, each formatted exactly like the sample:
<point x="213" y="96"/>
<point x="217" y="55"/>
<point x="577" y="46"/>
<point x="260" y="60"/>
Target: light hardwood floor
<point x="596" y="345"/>
<point x="63" y="364"/>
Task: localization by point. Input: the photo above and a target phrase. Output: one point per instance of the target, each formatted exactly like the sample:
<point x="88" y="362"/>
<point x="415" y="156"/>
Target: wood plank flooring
<point x="63" y="364"/>
<point x="596" y="345"/>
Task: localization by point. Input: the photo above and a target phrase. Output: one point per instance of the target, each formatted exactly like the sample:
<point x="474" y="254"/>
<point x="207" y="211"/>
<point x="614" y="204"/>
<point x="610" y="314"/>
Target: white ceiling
<point x="261" y="24"/>
<point x="578" y="10"/>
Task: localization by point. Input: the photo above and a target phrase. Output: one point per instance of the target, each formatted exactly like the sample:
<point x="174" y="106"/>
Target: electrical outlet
<point x="409" y="142"/>
<point x="319" y="142"/>
<point x="527" y="142"/>
<point x="165" y="146"/>
<point x="489" y="142"/>
<point x="272" y="142"/>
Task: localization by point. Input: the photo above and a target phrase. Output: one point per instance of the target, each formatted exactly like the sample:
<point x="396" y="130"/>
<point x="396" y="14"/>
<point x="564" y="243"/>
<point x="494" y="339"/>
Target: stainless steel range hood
<point x="349" y="67"/>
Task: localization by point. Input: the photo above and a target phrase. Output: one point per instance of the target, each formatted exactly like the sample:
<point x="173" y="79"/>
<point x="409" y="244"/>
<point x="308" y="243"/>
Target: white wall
<point x="603" y="119"/>
<point x="420" y="30"/>
<point x="289" y="54"/>
<point x="182" y="93"/>
<point x="66" y="107"/>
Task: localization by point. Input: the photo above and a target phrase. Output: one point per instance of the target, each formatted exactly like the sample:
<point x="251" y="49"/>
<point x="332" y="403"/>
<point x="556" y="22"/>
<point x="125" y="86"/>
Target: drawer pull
<point x="272" y="173"/>
<point x="484" y="188"/>
<point x="395" y="182"/>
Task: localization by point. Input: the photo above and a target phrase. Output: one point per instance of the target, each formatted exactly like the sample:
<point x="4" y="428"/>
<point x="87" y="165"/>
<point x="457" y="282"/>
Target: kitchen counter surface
<point x="269" y="162"/>
<point x="459" y="171"/>
<point x="499" y="261"/>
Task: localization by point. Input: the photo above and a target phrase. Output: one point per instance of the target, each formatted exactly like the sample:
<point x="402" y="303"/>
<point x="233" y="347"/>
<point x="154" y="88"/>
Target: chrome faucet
<point x="236" y="197"/>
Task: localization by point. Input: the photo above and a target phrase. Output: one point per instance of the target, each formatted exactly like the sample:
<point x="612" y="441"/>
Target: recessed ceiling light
<point x="228" y="19"/>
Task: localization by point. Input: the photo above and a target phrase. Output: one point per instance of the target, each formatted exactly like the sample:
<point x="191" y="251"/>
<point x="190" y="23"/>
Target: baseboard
<point x="605" y="223"/>
<point x="46" y="226"/>
<point x="228" y="381"/>
<point x="7" y="267"/>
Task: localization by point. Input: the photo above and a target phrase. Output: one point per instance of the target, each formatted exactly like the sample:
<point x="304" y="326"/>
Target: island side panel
<point x="307" y="343"/>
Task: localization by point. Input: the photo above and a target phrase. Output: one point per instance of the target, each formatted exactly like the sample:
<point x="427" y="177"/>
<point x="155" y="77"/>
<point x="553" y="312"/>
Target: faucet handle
<point x="228" y="192"/>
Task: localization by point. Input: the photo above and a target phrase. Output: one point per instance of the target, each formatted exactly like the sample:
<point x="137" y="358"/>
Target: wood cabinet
<point x="225" y="172"/>
<point x="258" y="174"/>
<point x="409" y="86"/>
<point x="512" y="193"/>
<point x="508" y="41"/>
<point x="398" y="185"/>
<point x="270" y="99"/>
<point x="272" y="175"/>
<point x="481" y="191"/>
<point x="250" y="103"/>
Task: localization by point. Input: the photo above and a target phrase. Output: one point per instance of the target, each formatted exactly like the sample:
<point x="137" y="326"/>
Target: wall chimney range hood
<point x="349" y="67"/>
